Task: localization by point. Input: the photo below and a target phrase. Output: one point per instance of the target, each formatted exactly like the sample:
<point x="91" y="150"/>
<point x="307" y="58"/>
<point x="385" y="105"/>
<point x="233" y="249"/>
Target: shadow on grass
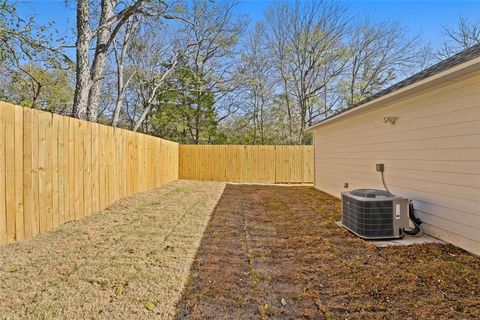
<point x="276" y="252"/>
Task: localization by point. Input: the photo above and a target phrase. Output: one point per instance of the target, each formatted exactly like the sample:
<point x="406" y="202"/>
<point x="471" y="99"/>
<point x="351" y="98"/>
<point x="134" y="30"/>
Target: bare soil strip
<point x="276" y="252"/>
<point x="129" y="262"/>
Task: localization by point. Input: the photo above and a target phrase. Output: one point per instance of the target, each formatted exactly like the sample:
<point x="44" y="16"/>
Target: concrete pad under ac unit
<point x="405" y="241"/>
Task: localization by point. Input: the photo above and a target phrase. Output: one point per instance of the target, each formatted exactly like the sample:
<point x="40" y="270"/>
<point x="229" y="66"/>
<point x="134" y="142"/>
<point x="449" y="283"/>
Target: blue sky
<point x="425" y="18"/>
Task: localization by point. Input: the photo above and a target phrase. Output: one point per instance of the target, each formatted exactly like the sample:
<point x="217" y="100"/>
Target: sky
<point x="423" y="18"/>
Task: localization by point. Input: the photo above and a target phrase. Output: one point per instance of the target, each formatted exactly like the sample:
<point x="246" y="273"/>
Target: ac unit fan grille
<point x="368" y="218"/>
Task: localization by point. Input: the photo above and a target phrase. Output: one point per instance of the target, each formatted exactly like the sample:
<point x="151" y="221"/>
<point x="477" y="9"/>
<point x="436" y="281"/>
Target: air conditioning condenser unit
<point x="374" y="214"/>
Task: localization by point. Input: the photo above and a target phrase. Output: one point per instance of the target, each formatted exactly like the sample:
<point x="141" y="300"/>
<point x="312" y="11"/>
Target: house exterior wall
<point x="431" y="155"/>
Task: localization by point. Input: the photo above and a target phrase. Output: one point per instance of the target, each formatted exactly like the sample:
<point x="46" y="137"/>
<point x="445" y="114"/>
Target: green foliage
<point x="21" y="39"/>
<point x="33" y="74"/>
<point x="5" y="13"/>
<point x="38" y="87"/>
<point x="186" y="110"/>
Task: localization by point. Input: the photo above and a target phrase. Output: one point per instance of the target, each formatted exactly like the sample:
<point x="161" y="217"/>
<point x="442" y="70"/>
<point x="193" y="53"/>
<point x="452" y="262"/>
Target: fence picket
<point x="3" y="206"/>
<point x="27" y="172"/>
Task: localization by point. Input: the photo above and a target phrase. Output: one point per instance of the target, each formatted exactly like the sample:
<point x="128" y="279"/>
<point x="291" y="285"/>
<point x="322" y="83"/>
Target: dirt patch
<point x="276" y="252"/>
<point x="129" y="262"/>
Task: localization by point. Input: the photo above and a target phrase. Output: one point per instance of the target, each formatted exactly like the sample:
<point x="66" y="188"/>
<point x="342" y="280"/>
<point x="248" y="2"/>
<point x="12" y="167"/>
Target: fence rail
<point x="54" y="169"/>
<point x="240" y="163"/>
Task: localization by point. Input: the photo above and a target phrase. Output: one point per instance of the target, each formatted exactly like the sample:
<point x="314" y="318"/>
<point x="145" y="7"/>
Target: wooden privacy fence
<point x="239" y="163"/>
<point x="54" y="169"/>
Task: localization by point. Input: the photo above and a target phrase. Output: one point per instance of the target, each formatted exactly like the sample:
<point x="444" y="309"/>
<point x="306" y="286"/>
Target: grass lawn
<point x="276" y="252"/>
<point x="129" y="262"/>
<point x="203" y="250"/>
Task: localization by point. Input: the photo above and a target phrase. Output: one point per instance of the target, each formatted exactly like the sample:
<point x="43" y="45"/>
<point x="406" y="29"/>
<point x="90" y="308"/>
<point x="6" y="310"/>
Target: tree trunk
<point x="289" y="113"/>
<point x="255" y="104"/>
<point x="148" y="107"/>
<point x="143" y="116"/>
<point x="120" y="96"/>
<point x="36" y="94"/>
<point x="121" y="83"/>
<point x="303" y="112"/>
<point x="98" y="66"/>
<point x="82" y="85"/>
<point x="262" y="134"/>
<point x="196" y="139"/>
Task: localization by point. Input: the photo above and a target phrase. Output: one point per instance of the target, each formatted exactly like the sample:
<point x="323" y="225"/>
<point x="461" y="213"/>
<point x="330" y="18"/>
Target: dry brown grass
<point x="265" y="252"/>
<point x="276" y="252"/>
<point x="129" y="262"/>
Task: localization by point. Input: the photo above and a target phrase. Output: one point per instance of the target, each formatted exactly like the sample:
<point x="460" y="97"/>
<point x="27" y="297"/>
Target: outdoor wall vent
<point x="374" y="214"/>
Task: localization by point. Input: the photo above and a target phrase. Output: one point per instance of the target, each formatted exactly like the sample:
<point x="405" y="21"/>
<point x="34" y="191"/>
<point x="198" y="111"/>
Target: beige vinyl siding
<point x="431" y="155"/>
